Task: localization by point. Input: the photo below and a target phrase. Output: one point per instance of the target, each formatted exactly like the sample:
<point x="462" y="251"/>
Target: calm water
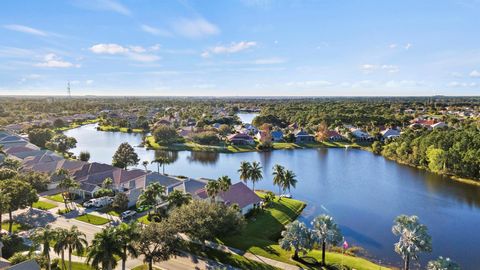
<point x="247" y="117"/>
<point x="364" y="192"/>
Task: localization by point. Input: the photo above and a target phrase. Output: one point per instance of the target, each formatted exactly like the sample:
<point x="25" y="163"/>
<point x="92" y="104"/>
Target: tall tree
<point x="84" y="156"/>
<point x="157" y="242"/>
<point x="161" y="162"/>
<point x="75" y="241"/>
<point x="145" y="165"/>
<point x="212" y="188"/>
<point x="40" y="136"/>
<point x="60" y="244"/>
<point x="278" y="173"/>
<point x="44" y="237"/>
<point x="12" y="164"/>
<point x="151" y="195"/>
<point x="177" y="198"/>
<point x="4" y="203"/>
<point x="322" y="132"/>
<point x="289" y="180"/>
<point x="125" y="156"/>
<point x="225" y="182"/>
<point x="20" y="195"/>
<point x="61" y="143"/>
<point x="414" y="238"/>
<point x="298" y="237"/>
<point x="244" y="171"/>
<point x="126" y="234"/>
<point x="68" y="184"/>
<point x="255" y="173"/>
<point x="326" y="232"/>
<point x="105" y="246"/>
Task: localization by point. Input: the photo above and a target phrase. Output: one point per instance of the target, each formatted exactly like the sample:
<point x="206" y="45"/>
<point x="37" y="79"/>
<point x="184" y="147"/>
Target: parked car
<point x="128" y="214"/>
<point x="288" y="196"/>
<point x="143" y="208"/>
<point x="103" y="201"/>
<point x="89" y="203"/>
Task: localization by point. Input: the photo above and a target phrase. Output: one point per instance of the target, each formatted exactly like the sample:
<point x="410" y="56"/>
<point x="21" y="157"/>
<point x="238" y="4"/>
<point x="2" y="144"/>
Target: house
<point x="332" y="135"/>
<point x="360" y="134"/>
<point x="301" y="136"/>
<point x="238" y="193"/>
<point x="186" y="131"/>
<point x="277" y="136"/>
<point x="262" y="136"/>
<point x="168" y="182"/>
<point x="390" y="133"/>
<point x="240" y="139"/>
<point x="427" y="123"/>
<point x="191" y="185"/>
<point x="439" y="125"/>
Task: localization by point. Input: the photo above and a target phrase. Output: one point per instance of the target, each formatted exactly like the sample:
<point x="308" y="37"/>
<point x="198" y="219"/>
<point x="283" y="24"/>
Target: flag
<point x="345" y="244"/>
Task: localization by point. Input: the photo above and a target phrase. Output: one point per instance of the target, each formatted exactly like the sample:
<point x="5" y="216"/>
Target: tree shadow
<point x="35" y="218"/>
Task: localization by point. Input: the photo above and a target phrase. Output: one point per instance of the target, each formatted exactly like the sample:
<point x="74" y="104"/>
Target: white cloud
<point x="110" y="48"/>
<point x="392" y="46"/>
<point x="137" y="53"/>
<point x="89" y="82"/>
<point x="106" y="5"/>
<point x="390" y="68"/>
<point x="369" y="68"/>
<point x="234" y="47"/>
<point x="270" y="61"/>
<point x="205" y="86"/>
<point x="195" y="28"/>
<point x="475" y="74"/>
<point x="25" y="29"/>
<point x="51" y="60"/>
<point x="155" y="31"/>
<point x="462" y="84"/>
<point x="408" y="46"/>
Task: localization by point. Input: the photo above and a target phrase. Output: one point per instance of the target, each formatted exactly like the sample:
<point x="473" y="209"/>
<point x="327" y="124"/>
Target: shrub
<point x="206" y="137"/>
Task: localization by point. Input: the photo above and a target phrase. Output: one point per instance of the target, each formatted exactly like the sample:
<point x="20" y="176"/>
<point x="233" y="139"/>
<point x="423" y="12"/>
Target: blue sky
<point x="240" y="47"/>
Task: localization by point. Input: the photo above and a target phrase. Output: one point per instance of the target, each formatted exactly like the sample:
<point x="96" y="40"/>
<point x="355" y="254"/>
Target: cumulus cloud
<point x="475" y="74"/>
<point x="369" y="68"/>
<point x="392" y="46"/>
<point x="137" y="53"/>
<point x="195" y="28"/>
<point x="234" y="47"/>
<point x="51" y="60"/>
<point x="457" y="84"/>
<point x="408" y="46"/>
<point x="25" y="29"/>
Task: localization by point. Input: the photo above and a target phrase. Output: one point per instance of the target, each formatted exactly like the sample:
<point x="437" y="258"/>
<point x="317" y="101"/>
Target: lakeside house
<point x="427" y="123"/>
<point x="238" y="194"/>
<point x="301" y="136"/>
<point x="191" y="185"/>
<point x="390" y="133"/>
<point x="240" y="139"/>
<point x="332" y="135"/>
<point x="360" y="134"/>
<point x="277" y="136"/>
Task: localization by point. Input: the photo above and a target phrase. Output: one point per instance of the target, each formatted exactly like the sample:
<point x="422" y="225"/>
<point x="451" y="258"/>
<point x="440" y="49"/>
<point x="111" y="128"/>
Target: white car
<point x="128" y="214"/>
<point x="89" y="203"/>
<point x="288" y="196"/>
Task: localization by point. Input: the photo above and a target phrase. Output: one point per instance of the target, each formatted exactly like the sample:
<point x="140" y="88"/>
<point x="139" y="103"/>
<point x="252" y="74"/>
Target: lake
<point x="362" y="191"/>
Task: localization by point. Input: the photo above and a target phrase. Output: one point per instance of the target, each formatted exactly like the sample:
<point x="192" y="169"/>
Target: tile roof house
<point x="238" y="193"/>
<point x="26" y="265"/>
<point x="167" y="181"/>
<point x="301" y="136"/>
<point x="240" y="139"/>
<point x="277" y="136"/>
<point x="332" y="135"/>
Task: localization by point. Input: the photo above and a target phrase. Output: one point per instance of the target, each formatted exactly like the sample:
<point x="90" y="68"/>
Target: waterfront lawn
<point x="92" y="219"/>
<point x="120" y="129"/>
<point x="224" y="258"/>
<point x="16" y="227"/>
<point x="43" y="205"/>
<point x="262" y="232"/>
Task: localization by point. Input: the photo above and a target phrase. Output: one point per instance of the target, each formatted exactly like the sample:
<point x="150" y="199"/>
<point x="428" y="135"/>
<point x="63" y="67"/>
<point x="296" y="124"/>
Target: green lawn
<point x="119" y="129"/>
<point x="44" y="205"/>
<point x="92" y="219"/>
<point x="261" y="235"/>
<point x="56" y="197"/>
<point x="77" y="265"/>
<point x="144" y="220"/>
<point x="16" y="227"/>
<point x="225" y="258"/>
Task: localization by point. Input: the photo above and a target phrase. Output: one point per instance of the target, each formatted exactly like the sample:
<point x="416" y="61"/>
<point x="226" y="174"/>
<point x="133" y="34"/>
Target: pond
<point x="362" y="191"/>
<point x="246" y="117"/>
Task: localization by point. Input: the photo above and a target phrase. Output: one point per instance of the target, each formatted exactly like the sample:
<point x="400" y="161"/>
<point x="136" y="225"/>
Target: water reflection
<point x="207" y="158"/>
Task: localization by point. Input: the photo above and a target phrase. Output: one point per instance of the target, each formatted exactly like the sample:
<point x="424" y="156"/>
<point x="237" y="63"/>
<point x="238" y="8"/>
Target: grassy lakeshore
<point x="226" y="148"/>
<point x="261" y="236"/>
<point x="76" y="125"/>
<point x="119" y="129"/>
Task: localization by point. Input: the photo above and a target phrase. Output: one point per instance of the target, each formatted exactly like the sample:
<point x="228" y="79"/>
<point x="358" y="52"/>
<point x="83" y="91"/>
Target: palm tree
<point x="414" y="238"/>
<point x="327" y="232"/>
<point x="145" y="164"/>
<point x="151" y="195"/>
<point x="68" y="184"/>
<point x="44" y="236"/>
<point x="298" y="237"/>
<point x="177" y="198"/>
<point x="2" y="151"/>
<point x="107" y="183"/>
<point x="225" y="182"/>
<point x="126" y="234"/>
<point x="212" y="188"/>
<point x="161" y="161"/>
<point x="105" y="246"/>
<point x="75" y="241"/>
<point x="442" y="264"/>
<point x="244" y="171"/>
<point x="61" y="244"/>
<point x="289" y="180"/>
<point x="255" y="173"/>
<point x="278" y="175"/>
